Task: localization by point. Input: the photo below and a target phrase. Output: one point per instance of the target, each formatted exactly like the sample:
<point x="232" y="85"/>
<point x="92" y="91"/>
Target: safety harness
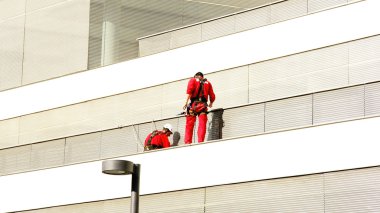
<point x="149" y="145"/>
<point x="198" y="105"/>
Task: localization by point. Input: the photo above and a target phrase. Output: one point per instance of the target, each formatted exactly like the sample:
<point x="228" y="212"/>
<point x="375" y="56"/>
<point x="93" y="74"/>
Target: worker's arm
<point x="187" y="101"/>
<point x="165" y="141"/>
<point x="212" y="96"/>
<point x="189" y="91"/>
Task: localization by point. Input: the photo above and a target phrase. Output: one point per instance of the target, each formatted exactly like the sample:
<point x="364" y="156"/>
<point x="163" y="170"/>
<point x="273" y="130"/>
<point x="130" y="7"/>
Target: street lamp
<point x="123" y="167"/>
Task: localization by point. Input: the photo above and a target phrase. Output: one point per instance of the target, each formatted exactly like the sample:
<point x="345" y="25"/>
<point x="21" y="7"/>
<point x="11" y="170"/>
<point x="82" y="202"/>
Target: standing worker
<point x="198" y="92"/>
<point x="158" y="139"/>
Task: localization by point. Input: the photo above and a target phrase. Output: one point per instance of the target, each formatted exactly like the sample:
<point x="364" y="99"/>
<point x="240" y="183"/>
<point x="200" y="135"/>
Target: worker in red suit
<point x="158" y="139"/>
<point x="199" y="92"/>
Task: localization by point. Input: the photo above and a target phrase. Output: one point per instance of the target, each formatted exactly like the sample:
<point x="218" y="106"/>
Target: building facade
<point x="293" y="128"/>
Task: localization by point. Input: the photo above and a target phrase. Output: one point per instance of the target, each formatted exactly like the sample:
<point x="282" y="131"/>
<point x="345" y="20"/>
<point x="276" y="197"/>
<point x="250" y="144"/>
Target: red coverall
<point x="160" y="140"/>
<point x="193" y="89"/>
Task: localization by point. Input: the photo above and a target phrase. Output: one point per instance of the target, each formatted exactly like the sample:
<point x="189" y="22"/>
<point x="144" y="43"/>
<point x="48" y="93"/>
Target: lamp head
<point x="117" y="167"/>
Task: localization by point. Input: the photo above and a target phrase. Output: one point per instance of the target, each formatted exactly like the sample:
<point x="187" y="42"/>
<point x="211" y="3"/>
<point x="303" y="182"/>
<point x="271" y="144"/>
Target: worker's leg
<point x="190" y="121"/>
<point x="202" y="119"/>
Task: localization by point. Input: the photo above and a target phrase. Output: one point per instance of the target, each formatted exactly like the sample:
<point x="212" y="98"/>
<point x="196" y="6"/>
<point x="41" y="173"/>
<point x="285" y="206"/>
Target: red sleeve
<point x="191" y="86"/>
<point x="146" y="139"/>
<point x="165" y="141"/>
<point x="211" y="93"/>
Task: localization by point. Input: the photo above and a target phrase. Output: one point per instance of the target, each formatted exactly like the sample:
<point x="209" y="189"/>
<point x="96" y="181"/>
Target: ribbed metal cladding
<point x="372" y="99"/>
<point x="298" y="194"/>
<point x="121" y="205"/>
<point x="289" y="113"/>
<point x="311" y="71"/>
<point x="365" y="60"/>
<point x="48" y="154"/>
<point x="288" y="10"/>
<point x="316" y="5"/>
<point x="252" y="19"/>
<point x="218" y="28"/>
<point x="230" y="87"/>
<point x="56" y="41"/>
<point x="143" y="105"/>
<point x="243" y="121"/>
<point x="39" y="4"/>
<point x="338" y="105"/>
<point x="353" y="191"/>
<point x="11" y="51"/>
<point x="174" y="202"/>
<point x="9" y="130"/>
<point x="181" y="129"/>
<point x="95" y="42"/>
<point x="155" y="44"/>
<point x="15" y="160"/>
<point x="119" y="142"/>
<point x="82" y="148"/>
<point x="173" y="98"/>
<point x="56" y="123"/>
<point x="11" y="8"/>
<point x="186" y="36"/>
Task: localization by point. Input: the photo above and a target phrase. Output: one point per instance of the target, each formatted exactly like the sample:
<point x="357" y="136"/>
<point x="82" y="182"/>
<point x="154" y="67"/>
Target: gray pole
<point x="135" y="189"/>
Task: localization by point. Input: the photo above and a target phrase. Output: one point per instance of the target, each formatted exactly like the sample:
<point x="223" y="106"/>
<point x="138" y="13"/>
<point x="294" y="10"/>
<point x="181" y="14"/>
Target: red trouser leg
<point x="190" y="121"/>
<point x="202" y="119"/>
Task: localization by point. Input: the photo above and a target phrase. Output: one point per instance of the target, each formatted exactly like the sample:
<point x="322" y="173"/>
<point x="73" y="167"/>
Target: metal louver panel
<point x="243" y="121"/>
<point x="174" y="202"/>
<point x="365" y="49"/>
<point x="155" y="44"/>
<point x="353" y="191"/>
<point x="15" y="159"/>
<point x="288" y="10"/>
<point x="11" y="51"/>
<point x="48" y="154"/>
<point x="186" y="36"/>
<point x="218" y="28"/>
<point x="117" y="205"/>
<point x="338" y="105"/>
<point x="181" y="130"/>
<point x="56" y="123"/>
<point x="39" y="4"/>
<point x="297" y="194"/>
<point x="9" y="130"/>
<point x="289" y="113"/>
<point x="230" y="86"/>
<point x="365" y="72"/>
<point x="372" y="99"/>
<point x="316" y="5"/>
<point x="62" y="51"/>
<point x="365" y="60"/>
<point x="82" y="148"/>
<point x="173" y="98"/>
<point x="253" y="19"/>
<point x="119" y="142"/>
<point x="142" y="105"/>
<point x="11" y="8"/>
<point x="95" y="34"/>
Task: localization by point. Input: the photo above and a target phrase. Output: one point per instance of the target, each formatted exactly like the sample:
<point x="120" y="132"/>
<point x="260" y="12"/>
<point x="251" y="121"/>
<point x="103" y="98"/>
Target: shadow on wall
<point x="176" y="138"/>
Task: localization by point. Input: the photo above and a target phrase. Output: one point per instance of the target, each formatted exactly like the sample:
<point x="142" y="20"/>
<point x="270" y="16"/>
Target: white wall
<point x="301" y="34"/>
<point x="312" y="150"/>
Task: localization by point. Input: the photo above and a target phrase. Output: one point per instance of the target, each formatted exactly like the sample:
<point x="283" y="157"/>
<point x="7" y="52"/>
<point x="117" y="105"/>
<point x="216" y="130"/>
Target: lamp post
<point x="123" y="167"/>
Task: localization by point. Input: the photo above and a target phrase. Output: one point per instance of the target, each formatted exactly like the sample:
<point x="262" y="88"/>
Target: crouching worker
<point x="158" y="139"/>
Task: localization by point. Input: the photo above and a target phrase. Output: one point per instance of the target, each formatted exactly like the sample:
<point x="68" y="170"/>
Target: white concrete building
<point x="294" y="127"/>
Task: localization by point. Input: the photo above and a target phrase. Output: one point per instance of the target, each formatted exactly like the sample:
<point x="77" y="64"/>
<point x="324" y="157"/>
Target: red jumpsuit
<point x="160" y="140"/>
<point x="193" y="90"/>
